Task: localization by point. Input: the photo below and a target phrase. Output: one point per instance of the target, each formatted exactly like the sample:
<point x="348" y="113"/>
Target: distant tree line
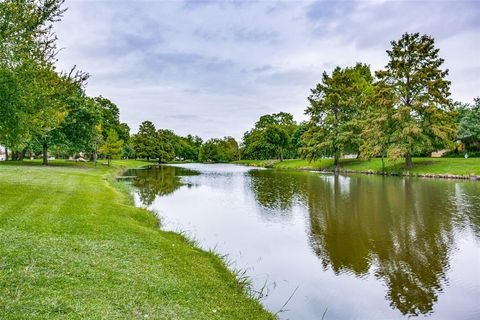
<point x="165" y="146"/>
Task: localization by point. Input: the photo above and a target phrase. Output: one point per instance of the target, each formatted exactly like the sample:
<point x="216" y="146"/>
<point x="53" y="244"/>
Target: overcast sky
<point x="212" y="68"/>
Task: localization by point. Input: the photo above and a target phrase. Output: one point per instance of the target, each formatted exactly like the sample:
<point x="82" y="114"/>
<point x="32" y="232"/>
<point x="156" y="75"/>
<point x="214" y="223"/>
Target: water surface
<point x="360" y="247"/>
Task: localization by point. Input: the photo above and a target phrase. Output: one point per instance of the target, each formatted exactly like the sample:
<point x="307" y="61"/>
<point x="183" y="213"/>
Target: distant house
<point x="438" y="153"/>
<point x="2" y="153"/>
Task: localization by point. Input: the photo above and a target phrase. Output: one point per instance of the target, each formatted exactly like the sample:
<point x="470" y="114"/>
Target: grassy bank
<point x="73" y="246"/>
<point x="434" y="166"/>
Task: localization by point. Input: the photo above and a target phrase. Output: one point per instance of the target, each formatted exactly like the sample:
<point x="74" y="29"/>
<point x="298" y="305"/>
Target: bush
<point x="456" y="154"/>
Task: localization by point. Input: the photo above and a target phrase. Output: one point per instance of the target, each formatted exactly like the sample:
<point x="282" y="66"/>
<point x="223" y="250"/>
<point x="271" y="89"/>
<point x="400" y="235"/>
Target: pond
<point x="353" y="246"/>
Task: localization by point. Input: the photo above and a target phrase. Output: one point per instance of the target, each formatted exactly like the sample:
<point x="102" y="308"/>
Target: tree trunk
<point x="6" y="154"/>
<point x="45" y="154"/>
<point x="408" y="161"/>
<point x="21" y="156"/>
<point x="336" y="162"/>
<point x="95" y="157"/>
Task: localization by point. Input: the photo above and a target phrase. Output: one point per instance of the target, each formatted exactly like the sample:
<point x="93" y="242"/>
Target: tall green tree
<point x="27" y="51"/>
<point x="145" y="141"/>
<point x="423" y="111"/>
<point x="110" y="118"/>
<point x="335" y="105"/>
<point x="164" y="148"/>
<point x="378" y="123"/>
<point x="52" y="97"/>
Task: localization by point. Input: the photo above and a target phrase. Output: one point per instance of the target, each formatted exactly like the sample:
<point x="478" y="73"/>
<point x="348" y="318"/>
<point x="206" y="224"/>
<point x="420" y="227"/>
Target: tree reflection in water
<point x="399" y="230"/>
<point x="157" y="181"/>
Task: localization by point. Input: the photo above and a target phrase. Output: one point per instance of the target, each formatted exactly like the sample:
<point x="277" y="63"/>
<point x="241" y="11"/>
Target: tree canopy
<point x="219" y="150"/>
<point x="469" y="125"/>
<point x="422" y="112"/>
<point x="270" y="138"/>
<point x="335" y="108"/>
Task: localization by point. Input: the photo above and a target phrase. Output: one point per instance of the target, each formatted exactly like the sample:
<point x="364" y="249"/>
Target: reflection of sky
<point x="222" y="212"/>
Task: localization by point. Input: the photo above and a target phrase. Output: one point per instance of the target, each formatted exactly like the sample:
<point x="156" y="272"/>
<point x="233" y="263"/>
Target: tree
<point x="469" y="125"/>
<point x="378" y="123"/>
<point x="79" y="131"/>
<point x="296" y="139"/>
<point x="51" y="97"/>
<point x="145" y="141"/>
<point x="278" y="138"/>
<point x="110" y="118"/>
<point x="112" y="146"/>
<point x="335" y="105"/>
<point x="219" y="150"/>
<point x="164" y="149"/>
<point x="422" y="109"/>
<point x="228" y="150"/>
<point x="270" y="138"/>
<point x="209" y="151"/>
<point x="27" y="60"/>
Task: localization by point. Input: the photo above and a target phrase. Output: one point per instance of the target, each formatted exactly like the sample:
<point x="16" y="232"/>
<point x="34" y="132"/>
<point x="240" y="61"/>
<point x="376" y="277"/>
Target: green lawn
<point x="454" y="166"/>
<point x="72" y="246"/>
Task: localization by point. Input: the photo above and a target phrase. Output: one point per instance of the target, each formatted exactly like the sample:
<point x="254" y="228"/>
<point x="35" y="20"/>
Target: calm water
<point x="365" y="247"/>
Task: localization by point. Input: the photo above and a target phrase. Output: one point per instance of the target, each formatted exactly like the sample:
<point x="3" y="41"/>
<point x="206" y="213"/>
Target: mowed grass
<point x="454" y="166"/>
<point x="72" y="246"/>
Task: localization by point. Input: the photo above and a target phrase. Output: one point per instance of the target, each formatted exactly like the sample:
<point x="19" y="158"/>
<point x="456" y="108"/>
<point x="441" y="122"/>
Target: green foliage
<point x="110" y="118"/>
<point x="185" y="148"/>
<point x="421" y="111"/>
<point x="144" y="142"/>
<point x="277" y="137"/>
<point x="78" y="132"/>
<point x="219" y="150"/>
<point x="35" y="99"/>
<point x="296" y="141"/>
<point x="335" y="106"/>
<point x="165" y="150"/>
<point x="270" y="138"/>
<point x="112" y="146"/>
<point x="469" y="125"/>
<point x="164" y="144"/>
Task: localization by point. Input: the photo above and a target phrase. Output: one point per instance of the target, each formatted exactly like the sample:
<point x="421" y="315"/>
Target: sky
<point x="213" y="68"/>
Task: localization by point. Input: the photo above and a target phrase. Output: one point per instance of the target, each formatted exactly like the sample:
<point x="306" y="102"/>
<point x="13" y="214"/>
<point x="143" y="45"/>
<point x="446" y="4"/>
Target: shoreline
<point x="403" y="174"/>
<point x="108" y="246"/>
<point x="394" y="170"/>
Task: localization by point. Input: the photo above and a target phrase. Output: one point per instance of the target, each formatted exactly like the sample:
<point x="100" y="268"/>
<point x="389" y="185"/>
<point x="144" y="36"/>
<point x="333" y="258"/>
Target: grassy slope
<point x="456" y="166"/>
<point x="73" y="246"/>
